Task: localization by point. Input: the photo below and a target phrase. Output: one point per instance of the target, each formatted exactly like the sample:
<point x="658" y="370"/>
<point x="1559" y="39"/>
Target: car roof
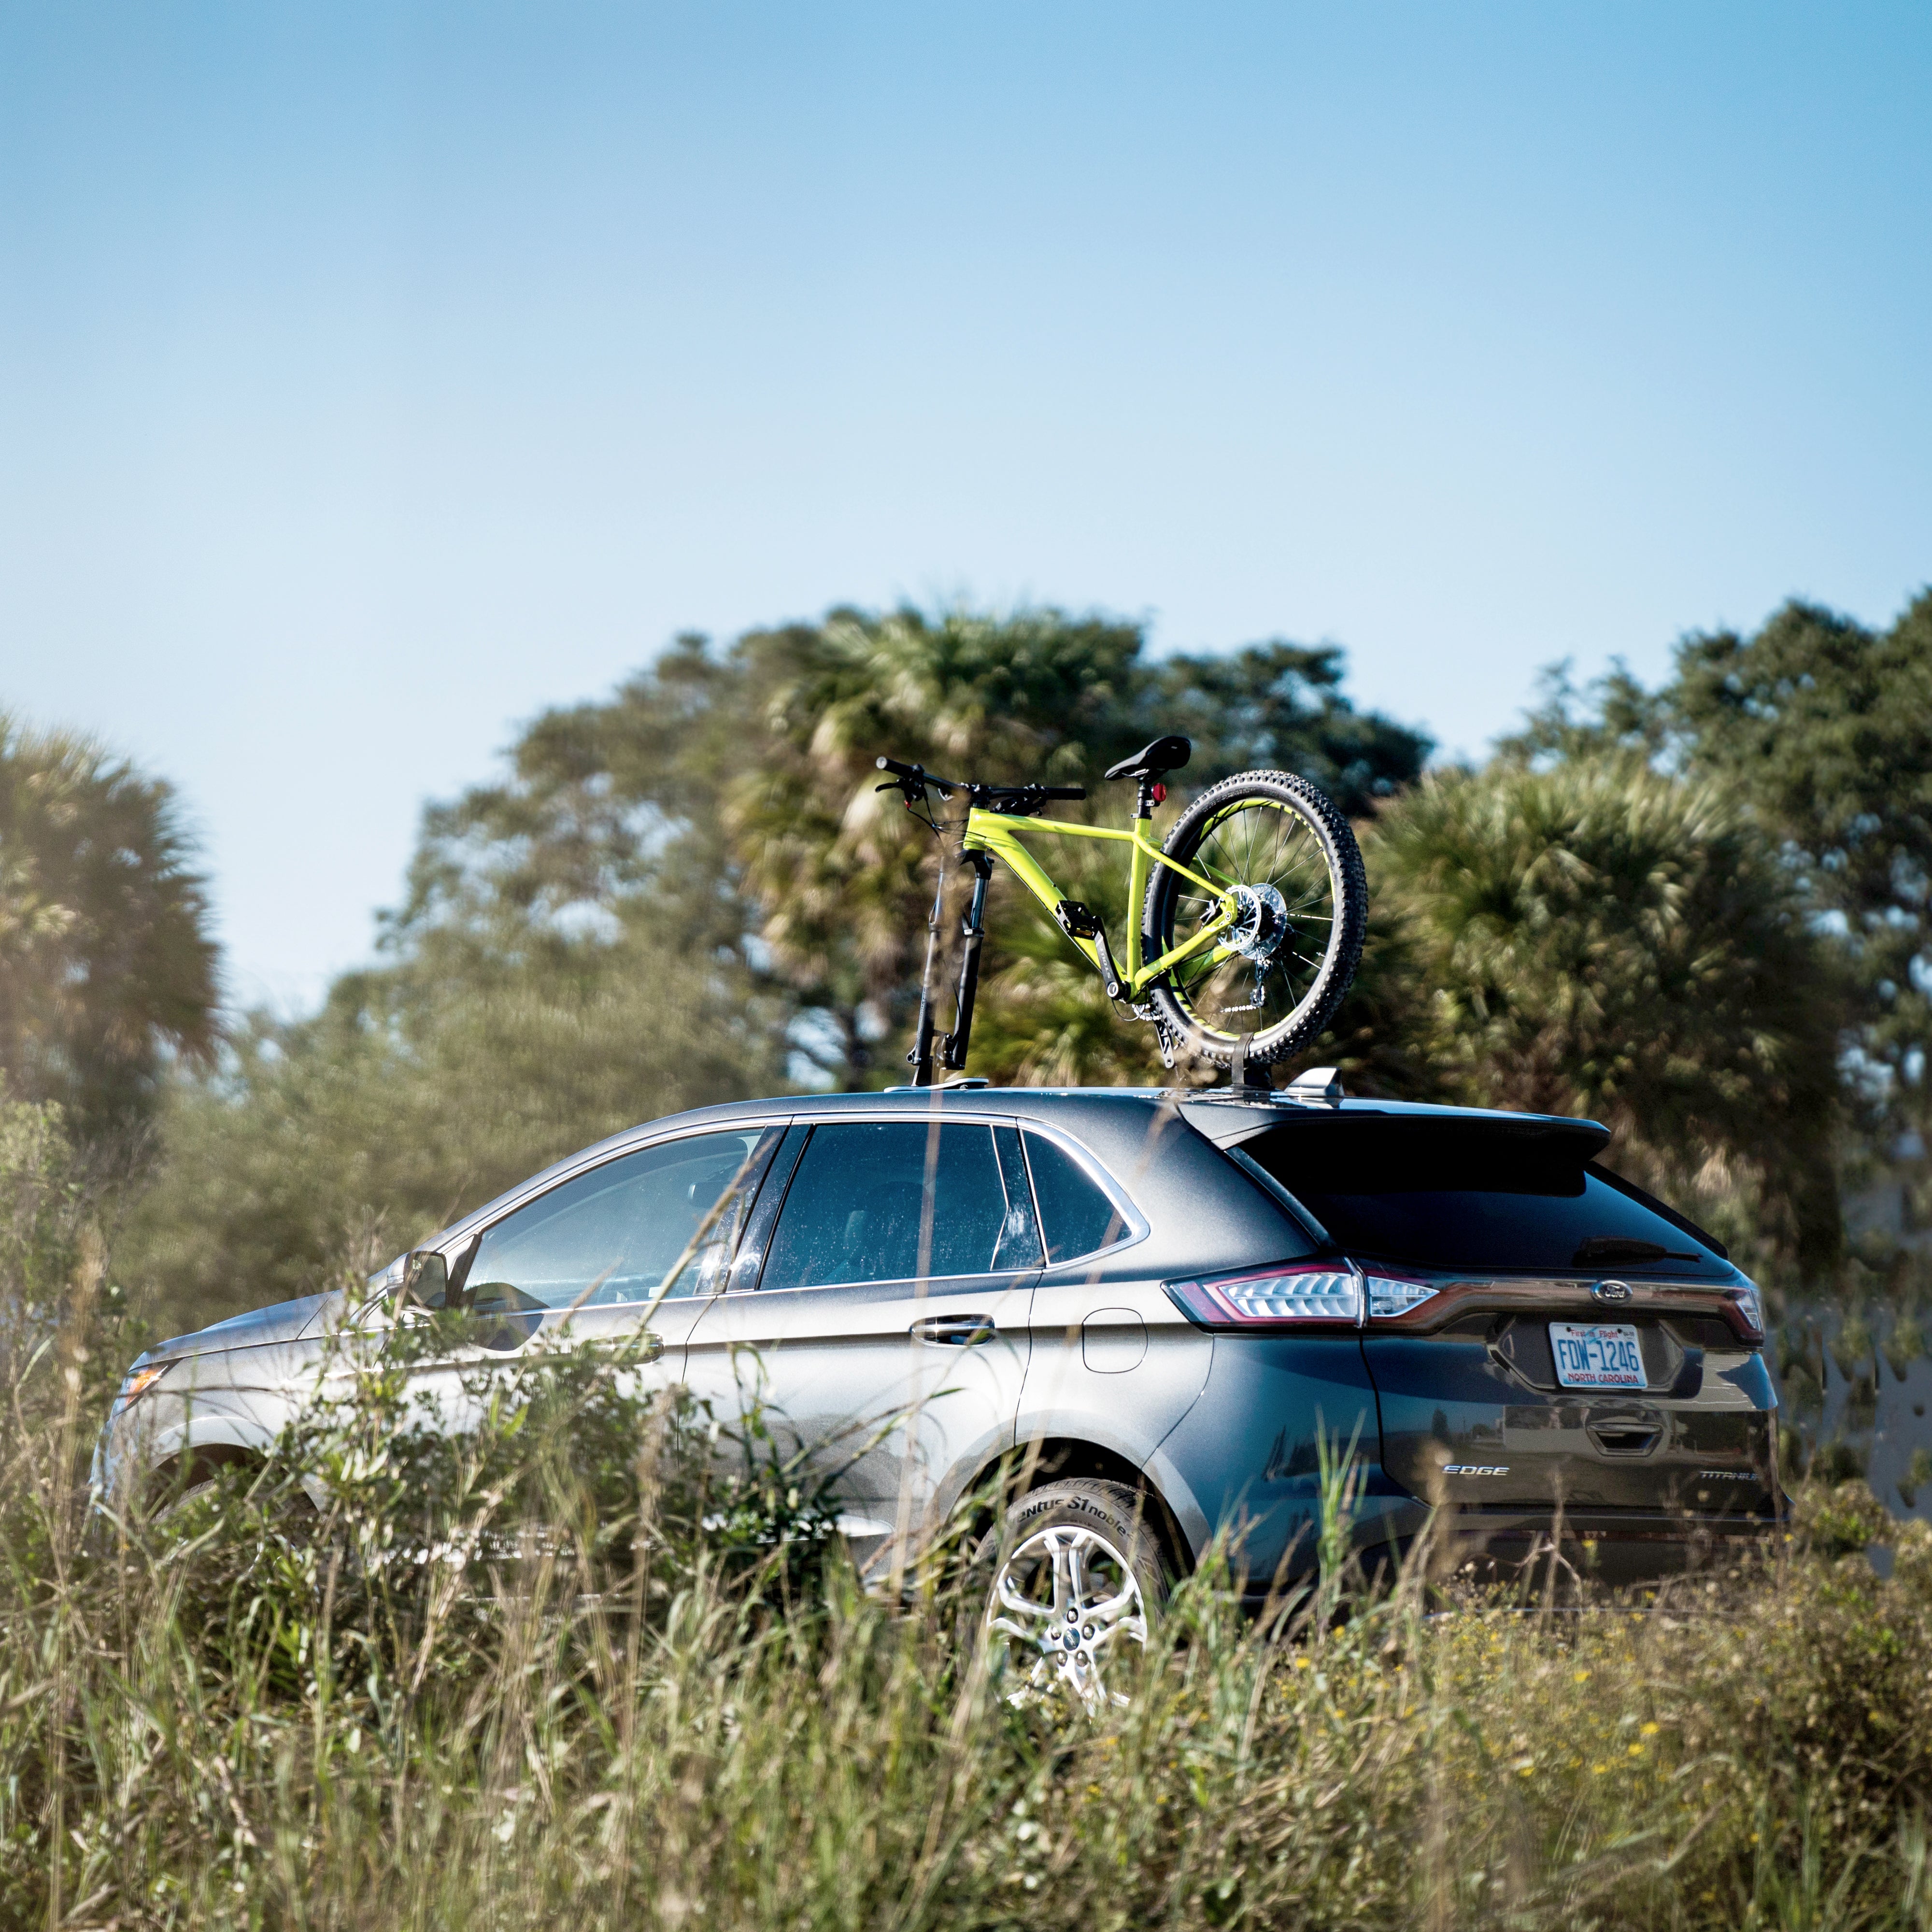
<point x="1223" y="1115"/>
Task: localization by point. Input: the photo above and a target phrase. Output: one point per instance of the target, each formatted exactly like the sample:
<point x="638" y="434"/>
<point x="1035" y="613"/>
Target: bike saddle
<point x="1163" y="755"/>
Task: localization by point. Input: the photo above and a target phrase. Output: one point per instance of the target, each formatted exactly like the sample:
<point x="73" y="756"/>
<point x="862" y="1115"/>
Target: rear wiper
<point x="1624" y="1248"/>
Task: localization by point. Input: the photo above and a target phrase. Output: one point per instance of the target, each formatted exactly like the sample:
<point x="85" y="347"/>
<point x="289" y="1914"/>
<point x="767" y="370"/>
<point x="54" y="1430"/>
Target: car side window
<point x="1075" y="1215"/>
<point x="617" y="1233"/>
<point x="896" y="1200"/>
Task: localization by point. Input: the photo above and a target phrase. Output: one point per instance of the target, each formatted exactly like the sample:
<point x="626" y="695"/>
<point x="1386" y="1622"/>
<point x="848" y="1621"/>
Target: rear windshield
<point x="1458" y="1194"/>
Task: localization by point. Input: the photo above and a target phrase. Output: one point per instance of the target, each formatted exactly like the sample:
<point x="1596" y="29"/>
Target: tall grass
<point x="587" y="1664"/>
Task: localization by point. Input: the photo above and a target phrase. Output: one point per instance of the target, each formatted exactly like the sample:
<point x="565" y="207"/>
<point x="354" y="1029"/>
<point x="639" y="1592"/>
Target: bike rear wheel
<point x="1274" y="981"/>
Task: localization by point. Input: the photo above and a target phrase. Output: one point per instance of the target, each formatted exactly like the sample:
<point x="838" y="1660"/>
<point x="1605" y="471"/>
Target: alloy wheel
<point x="1064" y="1603"/>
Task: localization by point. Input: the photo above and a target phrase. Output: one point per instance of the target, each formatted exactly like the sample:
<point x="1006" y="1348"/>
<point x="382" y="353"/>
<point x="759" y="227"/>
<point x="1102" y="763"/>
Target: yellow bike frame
<point x="999" y="833"/>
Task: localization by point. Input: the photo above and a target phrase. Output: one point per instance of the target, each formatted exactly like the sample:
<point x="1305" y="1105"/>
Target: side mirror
<point x="425" y="1279"/>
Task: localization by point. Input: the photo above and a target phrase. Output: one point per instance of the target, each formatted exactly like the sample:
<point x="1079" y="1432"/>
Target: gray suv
<point x="1144" y="1308"/>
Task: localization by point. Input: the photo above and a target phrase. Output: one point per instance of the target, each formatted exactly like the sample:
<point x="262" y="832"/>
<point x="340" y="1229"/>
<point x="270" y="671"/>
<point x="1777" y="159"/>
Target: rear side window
<point x="1075" y="1215"/>
<point x="899" y="1201"/>
<point x="1460" y="1194"/>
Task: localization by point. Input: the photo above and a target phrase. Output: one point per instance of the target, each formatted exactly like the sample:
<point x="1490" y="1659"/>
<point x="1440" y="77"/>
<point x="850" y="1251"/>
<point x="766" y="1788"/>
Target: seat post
<point x="1144" y="797"/>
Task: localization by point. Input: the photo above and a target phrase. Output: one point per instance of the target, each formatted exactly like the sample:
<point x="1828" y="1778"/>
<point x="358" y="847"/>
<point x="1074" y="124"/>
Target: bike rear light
<point x="1390" y="1295"/>
<point x="1283" y="1297"/>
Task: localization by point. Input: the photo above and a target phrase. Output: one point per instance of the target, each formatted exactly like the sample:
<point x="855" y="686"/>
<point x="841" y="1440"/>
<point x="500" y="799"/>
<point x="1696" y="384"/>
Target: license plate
<point x="1596" y="1354"/>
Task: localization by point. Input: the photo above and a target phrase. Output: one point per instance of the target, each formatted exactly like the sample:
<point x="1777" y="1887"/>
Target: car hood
<point x="281" y="1322"/>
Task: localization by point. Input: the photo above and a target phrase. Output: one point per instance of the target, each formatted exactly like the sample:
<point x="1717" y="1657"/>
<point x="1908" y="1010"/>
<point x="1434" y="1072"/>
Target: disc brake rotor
<point x="1260" y="925"/>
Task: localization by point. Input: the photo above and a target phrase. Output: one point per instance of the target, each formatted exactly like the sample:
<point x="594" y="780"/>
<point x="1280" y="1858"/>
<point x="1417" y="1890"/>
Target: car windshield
<point x="1456" y="1193"/>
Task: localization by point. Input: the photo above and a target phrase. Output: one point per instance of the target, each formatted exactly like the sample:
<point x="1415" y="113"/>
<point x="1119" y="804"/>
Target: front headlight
<point x="1751" y="1304"/>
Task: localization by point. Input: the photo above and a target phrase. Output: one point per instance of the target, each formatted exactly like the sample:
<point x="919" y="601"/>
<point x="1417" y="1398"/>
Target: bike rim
<point x="1289" y="925"/>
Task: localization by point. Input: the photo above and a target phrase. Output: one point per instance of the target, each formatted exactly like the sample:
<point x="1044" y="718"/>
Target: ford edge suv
<point x="1146" y="1309"/>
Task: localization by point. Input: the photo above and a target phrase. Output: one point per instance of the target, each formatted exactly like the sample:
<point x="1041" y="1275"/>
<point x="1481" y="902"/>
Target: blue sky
<point x="371" y="376"/>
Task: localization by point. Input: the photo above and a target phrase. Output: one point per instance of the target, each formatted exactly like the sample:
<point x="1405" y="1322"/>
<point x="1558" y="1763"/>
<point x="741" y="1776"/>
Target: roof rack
<point x="1318" y="1083"/>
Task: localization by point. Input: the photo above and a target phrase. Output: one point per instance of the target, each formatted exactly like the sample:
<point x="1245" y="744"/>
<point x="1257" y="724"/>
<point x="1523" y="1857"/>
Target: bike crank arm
<point x="1080" y="922"/>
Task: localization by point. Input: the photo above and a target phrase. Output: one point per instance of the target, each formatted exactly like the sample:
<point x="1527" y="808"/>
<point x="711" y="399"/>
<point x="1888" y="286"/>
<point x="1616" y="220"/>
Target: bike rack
<point x="1243" y="1078"/>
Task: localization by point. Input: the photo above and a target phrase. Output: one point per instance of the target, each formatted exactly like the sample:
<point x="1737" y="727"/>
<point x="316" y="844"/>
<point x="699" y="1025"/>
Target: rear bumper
<point x="1613" y="1548"/>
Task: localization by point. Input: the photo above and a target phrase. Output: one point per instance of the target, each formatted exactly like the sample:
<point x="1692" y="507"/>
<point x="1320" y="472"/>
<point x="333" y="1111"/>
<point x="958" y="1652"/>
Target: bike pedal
<point x="1081" y="922"/>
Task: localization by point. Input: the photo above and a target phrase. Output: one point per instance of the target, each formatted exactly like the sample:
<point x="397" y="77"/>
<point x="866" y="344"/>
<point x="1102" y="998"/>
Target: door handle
<point x="955" y="1331"/>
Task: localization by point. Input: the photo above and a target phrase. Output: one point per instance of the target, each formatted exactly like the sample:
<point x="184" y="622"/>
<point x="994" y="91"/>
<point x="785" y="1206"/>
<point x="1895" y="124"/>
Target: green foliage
<point x="733" y="790"/>
<point x="1826" y="727"/>
<point x="1823" y="728"/>
<point x="1279" y="707"/>
<point x="40" y="1196"/>
<point x="1599" y="939"/>
<point x="107" y="964"/>
<point x="46" y="1199"/>
<point x="845" y="877"/>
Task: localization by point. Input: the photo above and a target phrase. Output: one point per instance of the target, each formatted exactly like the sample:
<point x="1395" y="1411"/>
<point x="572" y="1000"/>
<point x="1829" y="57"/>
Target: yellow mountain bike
<point x="1252" y="909"/>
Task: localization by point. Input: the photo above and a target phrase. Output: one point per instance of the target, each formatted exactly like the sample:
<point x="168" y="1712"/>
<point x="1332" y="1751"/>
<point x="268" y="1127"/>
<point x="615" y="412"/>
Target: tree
<point x="1603" y="939"/>
<point x="1826" y="728"/>
<point x="739" y="784"/>
<point x="1279" y="705"/>
<point x="842" y="876"/>
<point x="1823" y="730"/>
<point x="106" y="965"/>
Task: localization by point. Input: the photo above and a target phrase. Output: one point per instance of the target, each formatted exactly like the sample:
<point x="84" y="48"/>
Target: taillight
<point x="1300" y="1297"/>
<point x="1392" y="1294"/>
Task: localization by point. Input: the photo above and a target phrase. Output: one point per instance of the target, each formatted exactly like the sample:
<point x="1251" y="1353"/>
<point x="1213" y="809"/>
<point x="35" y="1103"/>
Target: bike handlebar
<point x="914" y="779"/>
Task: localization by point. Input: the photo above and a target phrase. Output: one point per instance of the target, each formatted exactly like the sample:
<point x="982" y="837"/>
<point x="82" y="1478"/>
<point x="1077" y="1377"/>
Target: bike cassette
<point x="1260" y="925"/>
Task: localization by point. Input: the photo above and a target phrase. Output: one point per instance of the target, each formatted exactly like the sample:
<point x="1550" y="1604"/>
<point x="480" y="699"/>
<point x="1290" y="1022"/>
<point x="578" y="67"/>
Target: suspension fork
<point x="973" y="936"/>
<point x="921" y="1055"/>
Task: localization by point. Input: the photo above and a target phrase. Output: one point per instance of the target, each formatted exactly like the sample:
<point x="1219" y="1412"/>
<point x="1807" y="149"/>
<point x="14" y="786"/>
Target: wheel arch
<point x="194" y="1461"/>
<point x="1034" y="1464"/>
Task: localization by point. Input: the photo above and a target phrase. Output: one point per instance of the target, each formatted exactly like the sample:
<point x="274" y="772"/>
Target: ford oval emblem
<point x="1612" y="1291"/>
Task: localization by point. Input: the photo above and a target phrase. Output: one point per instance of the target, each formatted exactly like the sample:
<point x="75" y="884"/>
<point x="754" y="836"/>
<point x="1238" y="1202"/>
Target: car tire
<point x="1073" y="1575"/>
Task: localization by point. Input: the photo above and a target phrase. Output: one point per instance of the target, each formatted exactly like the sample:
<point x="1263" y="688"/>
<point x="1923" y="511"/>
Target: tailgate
<point x="1474" y="1411"/>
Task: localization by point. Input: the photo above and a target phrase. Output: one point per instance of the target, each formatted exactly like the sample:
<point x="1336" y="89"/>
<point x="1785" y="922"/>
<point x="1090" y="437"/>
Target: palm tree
<point x="106" y="963"/>
<point x="844" y="876"/>
<point x="1601" y="939"/>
